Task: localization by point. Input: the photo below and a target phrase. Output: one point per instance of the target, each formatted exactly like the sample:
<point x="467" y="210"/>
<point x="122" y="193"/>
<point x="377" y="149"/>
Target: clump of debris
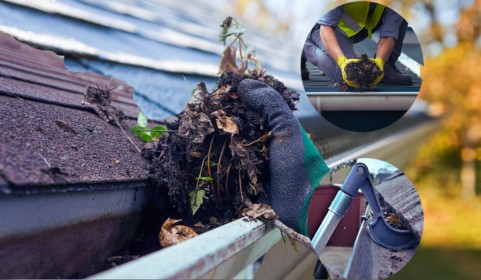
<point x="216" y="153"/>
<point x="390" y="214"/>
<point x="363" y="72"/>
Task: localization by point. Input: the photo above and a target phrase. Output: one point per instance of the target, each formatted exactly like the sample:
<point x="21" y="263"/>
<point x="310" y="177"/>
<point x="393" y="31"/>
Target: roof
<point x="48" y="137"/>
<point x="163" y="50"/>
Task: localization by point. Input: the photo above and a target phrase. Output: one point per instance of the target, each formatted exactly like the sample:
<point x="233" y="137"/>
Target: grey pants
<point x="316" y="53"/>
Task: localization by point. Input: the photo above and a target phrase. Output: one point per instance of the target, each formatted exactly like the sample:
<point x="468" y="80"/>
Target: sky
<point x="376" y="165"/>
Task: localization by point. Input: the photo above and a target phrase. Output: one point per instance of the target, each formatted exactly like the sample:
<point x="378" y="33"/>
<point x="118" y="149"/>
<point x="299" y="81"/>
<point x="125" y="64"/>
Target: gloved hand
<point x="380" y="63"/>
<point x="295" y="165"/>
<point x="343" y="61"/>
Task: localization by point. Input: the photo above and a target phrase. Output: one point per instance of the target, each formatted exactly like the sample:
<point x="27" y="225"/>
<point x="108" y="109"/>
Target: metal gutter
<point x="202" y="255"/>
<point x="364" y="101"/>
<point x="65" y="235"/>
<point x="223" y="252"/>
<point x="35" y="213"/>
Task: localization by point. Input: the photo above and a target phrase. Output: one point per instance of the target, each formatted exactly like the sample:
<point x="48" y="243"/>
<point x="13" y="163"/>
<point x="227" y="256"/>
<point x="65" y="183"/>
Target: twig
<point x="227" y="178"/>
<point x="218" y="166"/>
<point x="128" y="137"/>
<point x="240" y="55"/>
<point x="208" y="162"/>
<point x="44" y="160"/>
<point x="262" y="138"/>
<point x="304" y="240"/>
<point x="240" y="186"/>
<point x="200" y="173"/>
<point x="242" y="41"/>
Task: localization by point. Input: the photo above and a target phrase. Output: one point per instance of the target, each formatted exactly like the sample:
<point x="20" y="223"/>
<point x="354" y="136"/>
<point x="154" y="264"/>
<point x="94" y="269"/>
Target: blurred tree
<point x="451" y="81"/>
<point x="265" y="18"/>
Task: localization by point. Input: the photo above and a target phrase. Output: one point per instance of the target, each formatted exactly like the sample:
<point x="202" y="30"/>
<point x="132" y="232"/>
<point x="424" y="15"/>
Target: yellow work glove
<point x="380" y="63"/>
<point x="343" y="61"/>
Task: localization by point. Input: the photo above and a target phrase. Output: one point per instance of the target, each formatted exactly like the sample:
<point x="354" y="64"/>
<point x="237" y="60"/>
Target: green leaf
<point x="213" y="163"/>
<point x="196" y="198"/>
<point x="158" y="131"/>
<point x="204" y="178"/>
<point x="137" y="130"/>
<point x="142" y="119"/>
<point x="235" y="31"/>
<point x="146" y="137"/>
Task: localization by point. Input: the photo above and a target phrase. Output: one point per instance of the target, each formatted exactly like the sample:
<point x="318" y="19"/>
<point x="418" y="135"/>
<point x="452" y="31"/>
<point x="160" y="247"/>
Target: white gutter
<point x="364" y="101"/>
<point x="224" y="251"/>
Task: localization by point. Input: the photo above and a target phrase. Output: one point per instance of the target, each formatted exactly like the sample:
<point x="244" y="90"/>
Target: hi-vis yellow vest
<point x="355" y="18"/>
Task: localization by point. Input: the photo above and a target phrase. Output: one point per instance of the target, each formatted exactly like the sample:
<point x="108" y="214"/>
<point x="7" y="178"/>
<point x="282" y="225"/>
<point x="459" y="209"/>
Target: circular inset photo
<point x="366" y="221"/>
<point x="360" y="66"/>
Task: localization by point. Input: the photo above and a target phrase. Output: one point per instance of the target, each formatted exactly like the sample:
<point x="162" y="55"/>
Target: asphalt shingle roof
<point x="48" y="137"/>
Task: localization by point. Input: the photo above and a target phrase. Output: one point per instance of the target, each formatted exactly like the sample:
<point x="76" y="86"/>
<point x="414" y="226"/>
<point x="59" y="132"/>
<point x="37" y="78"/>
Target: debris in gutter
<point x="391" y="215"/>
<point x="171" y="234"/>
<point x="215" y="155"/>
<point x="263" y="211"/>
<point x="364" y="72"/>
<point x="118" y="260"/>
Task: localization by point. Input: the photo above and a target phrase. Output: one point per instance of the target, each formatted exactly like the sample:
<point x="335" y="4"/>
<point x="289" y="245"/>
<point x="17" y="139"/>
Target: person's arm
<point x="389" y="33"/>
<point x="329" y="39"/>
<point x="385" y="47"/>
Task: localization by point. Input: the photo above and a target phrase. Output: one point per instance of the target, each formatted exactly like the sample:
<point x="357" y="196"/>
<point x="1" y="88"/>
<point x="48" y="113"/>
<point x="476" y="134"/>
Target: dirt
<point x="99" y="99"/>
<point x="363" y="72"/>
<point x="217" y="154"/>
<point x="390" y="214"/>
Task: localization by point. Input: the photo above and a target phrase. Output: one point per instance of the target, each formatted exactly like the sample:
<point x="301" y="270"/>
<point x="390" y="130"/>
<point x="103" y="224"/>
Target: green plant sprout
<point x="144" y="132"/>
<point x="197" y="196"/>
<point x="230" y="27"/>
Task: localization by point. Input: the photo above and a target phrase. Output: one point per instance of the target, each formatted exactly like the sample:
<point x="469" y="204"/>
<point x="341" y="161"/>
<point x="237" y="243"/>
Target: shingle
<point x="49" y="139"/>
<point x="23" y="65"/>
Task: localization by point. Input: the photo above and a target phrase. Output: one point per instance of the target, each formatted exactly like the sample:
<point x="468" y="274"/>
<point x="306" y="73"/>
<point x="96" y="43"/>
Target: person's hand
<point x="343" y="61"/>
<point x="295" y="165"/>
<point x="380" y="63"/>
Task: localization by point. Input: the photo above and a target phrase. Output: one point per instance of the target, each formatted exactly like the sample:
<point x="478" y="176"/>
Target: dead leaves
<point x="228" y="60"/>
<point x="224" y="122"/>
<point x="100" y="99"/>
<point x="195" y="125"/>
<point x="170" y="235"/>
<point x="262" y="211"/>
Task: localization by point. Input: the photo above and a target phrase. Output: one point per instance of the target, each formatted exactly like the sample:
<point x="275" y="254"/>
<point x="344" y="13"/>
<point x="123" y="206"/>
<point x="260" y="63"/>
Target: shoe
<point x="392" y="76"/>
<point x="304" y="74"/>
<point x="304" y="71"/>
